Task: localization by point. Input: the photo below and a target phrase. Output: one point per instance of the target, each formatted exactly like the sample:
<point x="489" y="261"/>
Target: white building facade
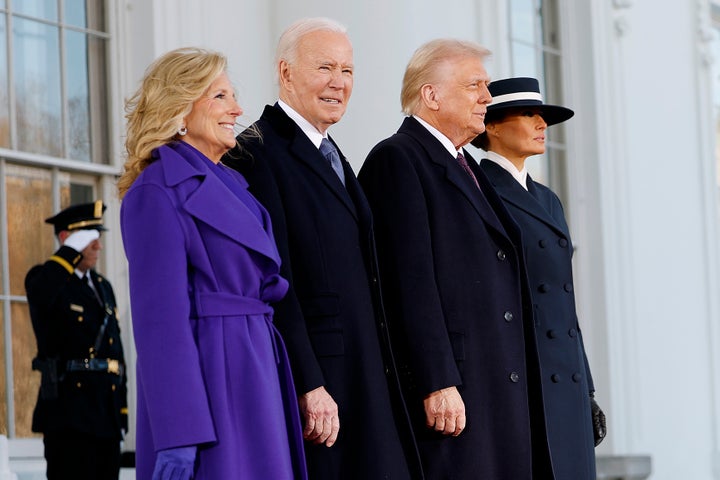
<point x="637" y="168"/>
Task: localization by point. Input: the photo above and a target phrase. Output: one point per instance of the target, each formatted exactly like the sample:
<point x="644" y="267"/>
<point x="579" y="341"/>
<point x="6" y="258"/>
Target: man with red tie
<point x="454" y="289"/>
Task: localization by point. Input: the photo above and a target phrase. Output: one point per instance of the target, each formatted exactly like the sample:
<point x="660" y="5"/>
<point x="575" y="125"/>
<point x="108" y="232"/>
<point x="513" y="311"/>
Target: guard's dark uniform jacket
<point x="83" y="379"/>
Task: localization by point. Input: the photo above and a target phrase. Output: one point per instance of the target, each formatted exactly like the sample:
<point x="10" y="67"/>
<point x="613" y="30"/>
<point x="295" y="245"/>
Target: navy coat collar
<point x="454" y="174"/>
<point x="303" y="150"/>
<point x="211" y="201"/>
<point x="535" y="201"/>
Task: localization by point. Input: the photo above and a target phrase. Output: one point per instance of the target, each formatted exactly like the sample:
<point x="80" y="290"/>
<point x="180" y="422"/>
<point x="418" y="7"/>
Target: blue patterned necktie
<point x="330" y="153"/>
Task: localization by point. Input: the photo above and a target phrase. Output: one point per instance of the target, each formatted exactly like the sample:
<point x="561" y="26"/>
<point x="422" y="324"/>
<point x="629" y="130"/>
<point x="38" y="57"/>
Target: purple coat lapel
<point x="211" y="202"/>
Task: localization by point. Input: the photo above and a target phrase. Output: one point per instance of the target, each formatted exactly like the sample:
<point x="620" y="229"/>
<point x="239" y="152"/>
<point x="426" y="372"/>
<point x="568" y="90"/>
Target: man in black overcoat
<point x="332" y="321"/>
<point x="455" y="293"/>
<point x="82" y="403"/>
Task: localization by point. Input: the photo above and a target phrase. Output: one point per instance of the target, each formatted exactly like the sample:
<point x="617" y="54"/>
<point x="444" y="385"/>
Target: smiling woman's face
<point x="212" y="118"/>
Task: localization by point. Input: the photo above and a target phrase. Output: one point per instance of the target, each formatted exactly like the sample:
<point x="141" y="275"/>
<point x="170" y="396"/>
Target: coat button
<point x="113" y="388"/>
<point x="514" y="377"/>
<point x="542" y="243"/>
<point x="563" y="242"/>
<point x="501" y="255"/>
<point x="572" y="332"/>
<point x="551" y="334"/>
<point x="110" y="341"/>
<point x="80" y="319"/>
<point x="544" y="288"/>
<point x="78" y="385"/>
<point x="508" y="316"/>
<point x="374" y="280"/>
<point x="555" y="378"/>
<point x="568" y="287"/>
<point x="576" y="377"/>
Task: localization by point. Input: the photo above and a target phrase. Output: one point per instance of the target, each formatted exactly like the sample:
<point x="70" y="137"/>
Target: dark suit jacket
<point x="331" y="319"/>
<point x="66" y="317"/>
<point x="566" y="378"/>
<point x="453" y="290"/>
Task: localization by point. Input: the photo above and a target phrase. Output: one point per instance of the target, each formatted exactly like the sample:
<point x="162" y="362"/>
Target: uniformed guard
<point x="82" y="402"/>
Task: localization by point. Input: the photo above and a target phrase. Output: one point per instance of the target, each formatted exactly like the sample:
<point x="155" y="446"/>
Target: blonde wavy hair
<point x="155" y="112"/>
<point x="424" y="66"/>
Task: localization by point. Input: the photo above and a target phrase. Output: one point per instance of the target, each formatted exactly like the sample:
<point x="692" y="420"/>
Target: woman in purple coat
<point x="215" y="393"/>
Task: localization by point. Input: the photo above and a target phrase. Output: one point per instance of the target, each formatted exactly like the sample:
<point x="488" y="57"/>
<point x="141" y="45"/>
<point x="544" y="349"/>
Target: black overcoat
<point x="66" y="317"/>
<point x="566" y="378"/>
<point x="455" y="303"/>
<point x="331" y="319"/>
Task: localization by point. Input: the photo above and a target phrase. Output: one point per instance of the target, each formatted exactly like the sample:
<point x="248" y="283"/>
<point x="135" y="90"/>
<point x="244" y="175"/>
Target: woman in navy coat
<point x="215" y="393"/>
<point x="516" y="121"/>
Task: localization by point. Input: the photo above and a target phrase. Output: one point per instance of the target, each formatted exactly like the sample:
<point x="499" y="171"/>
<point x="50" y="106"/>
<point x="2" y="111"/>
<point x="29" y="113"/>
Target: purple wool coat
<point x="212" y="371"/>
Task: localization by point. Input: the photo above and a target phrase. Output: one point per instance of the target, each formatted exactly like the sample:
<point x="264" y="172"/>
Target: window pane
<point x="46" y="9"/>
<point x="524" y="60"/>
<point x="4" y="99"/>
<point x="3" y="378"/>
<point x="522" y="20"/>
<point x="25" y="381"/>
<point x="30" y="239"/>
<point x="85" y="14"/>
<point x="98" y="100"/>
<point x="77" y="95"/>
<point x="37" y="87"/>
<point x="550" y="24"/>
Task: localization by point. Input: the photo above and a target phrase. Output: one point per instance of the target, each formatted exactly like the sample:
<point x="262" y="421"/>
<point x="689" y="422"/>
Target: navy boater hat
<point x="519" y="92"/>
<point x="85" y="216"/>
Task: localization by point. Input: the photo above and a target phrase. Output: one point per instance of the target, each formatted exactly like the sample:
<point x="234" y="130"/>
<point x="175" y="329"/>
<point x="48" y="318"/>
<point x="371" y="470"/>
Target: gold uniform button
<point x="110" y="341"/>
<point x="80" y="319"/>
<point x="113" y="388"/>
<point x="78" y="384"/>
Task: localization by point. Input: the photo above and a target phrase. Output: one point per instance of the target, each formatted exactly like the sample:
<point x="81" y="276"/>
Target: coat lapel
<point x="454" y="174"/>
<point x="212" y="202"/>
<point x="532" y="201"/>
<point x="303" y="150"/>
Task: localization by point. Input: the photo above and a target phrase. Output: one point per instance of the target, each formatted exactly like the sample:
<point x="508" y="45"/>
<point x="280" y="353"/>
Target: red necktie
<point x="463" y="163"/>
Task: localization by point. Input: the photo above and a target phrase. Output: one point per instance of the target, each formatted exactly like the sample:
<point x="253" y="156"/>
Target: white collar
<point x="310" y="131"/>
<point x="519" y="175"/>
<point x="440" y="136"/>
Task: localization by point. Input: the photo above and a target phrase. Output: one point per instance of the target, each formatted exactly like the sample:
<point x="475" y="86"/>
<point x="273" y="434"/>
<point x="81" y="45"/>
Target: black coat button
<point x="576" y="377"/>
<point x="572" y="332"/>
<point x="501" y="255"/>
<point x="544" y="288"/>
<point x="514" y="377"/>
<point x="542" y="243"/>
<point x="563" y="242"/>
<point x="568" y="287"/>
<point x="508" y="316"/>
<point x="555" y="378"/>
<point x="551" y="334"/>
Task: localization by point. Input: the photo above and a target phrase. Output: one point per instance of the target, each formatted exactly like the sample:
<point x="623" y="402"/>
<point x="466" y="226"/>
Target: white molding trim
<point x="710" y="194"/>
<point x="617" y="228"/>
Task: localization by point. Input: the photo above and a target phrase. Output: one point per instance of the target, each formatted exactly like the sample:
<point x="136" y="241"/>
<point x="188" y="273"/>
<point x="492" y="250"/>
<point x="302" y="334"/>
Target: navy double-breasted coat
<point x="566" y="379"/>
<point x="331" y="319"/>
<point x="453" y="290"/>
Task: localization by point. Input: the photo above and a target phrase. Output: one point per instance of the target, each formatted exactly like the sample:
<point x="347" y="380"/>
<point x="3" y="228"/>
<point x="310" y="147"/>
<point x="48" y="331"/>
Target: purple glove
<point x="175" y="463"/>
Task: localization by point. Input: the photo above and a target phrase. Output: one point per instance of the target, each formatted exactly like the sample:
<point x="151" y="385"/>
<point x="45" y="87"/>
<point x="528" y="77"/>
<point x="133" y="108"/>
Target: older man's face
<point x="319" y="82"/>
<point x="462" y="95"/>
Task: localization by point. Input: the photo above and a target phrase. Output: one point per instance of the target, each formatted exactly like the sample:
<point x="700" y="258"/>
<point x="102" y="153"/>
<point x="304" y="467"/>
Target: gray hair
<point x="287" y="45"/>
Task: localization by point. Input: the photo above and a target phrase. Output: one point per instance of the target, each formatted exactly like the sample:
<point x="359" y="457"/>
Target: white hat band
<point x="510" y="97"/>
